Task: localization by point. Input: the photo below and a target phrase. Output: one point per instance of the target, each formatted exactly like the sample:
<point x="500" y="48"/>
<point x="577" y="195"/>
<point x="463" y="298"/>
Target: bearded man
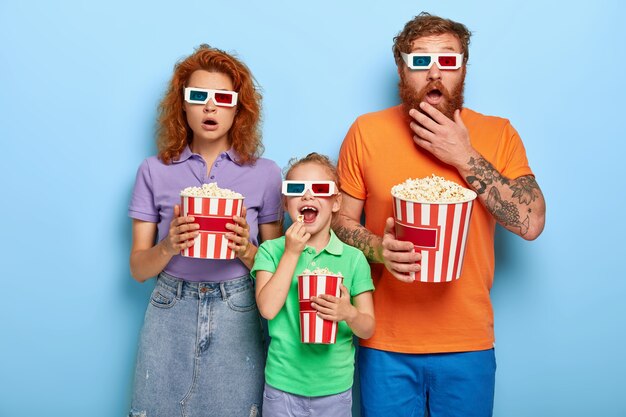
<point x="432" y="350"/>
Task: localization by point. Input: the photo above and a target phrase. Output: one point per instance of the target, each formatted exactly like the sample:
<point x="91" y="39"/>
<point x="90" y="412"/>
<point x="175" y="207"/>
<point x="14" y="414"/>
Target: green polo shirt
<point x="312" y="369"/>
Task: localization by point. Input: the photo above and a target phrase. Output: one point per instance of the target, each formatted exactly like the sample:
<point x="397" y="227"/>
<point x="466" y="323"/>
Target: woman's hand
<point x="239" y="238"/>
<point x="181" y="235"/>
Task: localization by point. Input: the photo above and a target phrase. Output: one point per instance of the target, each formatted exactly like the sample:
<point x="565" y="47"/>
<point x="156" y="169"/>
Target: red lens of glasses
<point x="447" y="61"/>
<point x="225" y="98"/>
<point x="320" y="188"/>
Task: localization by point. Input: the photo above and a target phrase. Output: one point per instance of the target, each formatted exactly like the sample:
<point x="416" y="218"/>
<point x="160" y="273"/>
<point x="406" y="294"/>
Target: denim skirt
<point x="200" y="351"/>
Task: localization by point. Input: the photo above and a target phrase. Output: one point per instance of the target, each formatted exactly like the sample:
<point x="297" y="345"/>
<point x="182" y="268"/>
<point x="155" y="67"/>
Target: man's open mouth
<point x="434" y="95"/>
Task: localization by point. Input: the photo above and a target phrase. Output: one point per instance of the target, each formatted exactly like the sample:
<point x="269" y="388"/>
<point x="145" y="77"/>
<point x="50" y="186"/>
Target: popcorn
<point x="321" y="271"/>
<point x="209" y="190"/>
<point x="433" y="189"/>
<point x="300" y="218"/>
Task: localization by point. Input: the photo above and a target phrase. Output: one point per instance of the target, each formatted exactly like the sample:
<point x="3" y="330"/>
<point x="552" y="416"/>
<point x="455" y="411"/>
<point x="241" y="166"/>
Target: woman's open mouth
<point x="209" y="124"/>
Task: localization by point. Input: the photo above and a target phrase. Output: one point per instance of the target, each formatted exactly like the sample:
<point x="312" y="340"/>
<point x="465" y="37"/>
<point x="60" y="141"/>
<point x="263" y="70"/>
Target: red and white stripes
<point x="439" y="232"/>
<point x="211" y="214"/>
<point x="314" y="329"/>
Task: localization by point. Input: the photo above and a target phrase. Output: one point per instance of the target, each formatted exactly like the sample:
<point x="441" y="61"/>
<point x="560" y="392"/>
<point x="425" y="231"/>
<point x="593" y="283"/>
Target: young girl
<point x="201" y="350"/>
<point x="298" y="376"/>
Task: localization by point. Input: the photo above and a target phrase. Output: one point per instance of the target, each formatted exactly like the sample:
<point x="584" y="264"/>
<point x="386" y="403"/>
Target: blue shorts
<point x="445" y="384"/>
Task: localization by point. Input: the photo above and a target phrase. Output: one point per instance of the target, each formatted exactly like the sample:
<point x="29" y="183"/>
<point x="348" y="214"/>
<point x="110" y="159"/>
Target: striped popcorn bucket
<point x="212" y="214"/>
<point x="439" y="232"/>
<point x="314" y="329"/>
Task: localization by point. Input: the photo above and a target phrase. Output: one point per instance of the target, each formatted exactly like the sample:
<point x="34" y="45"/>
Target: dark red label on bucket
<point x="422" y="237"/>
<point x="212" y="224"/>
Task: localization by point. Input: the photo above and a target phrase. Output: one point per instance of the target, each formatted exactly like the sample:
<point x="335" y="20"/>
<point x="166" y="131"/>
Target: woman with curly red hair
<point x="201" y="349"/>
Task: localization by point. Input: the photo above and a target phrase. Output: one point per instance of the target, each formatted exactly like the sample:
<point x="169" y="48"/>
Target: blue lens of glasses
<point x="421" y="61"/>
<point x="295" y="188"/>
<point x="198" y="95"/>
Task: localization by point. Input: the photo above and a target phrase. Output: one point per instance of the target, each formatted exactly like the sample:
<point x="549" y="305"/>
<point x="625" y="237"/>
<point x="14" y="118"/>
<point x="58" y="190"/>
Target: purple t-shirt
<point x="157" y="190"/>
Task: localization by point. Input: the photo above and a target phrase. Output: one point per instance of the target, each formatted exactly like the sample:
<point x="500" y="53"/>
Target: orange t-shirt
<point x="378" y="153"/>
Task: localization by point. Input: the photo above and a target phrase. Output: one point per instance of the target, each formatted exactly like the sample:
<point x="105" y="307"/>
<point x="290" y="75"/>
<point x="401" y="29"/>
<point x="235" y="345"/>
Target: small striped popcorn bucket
<point x="439" y="232"/>
<point x="212" y="214"/>
<point x="314" y="329"/>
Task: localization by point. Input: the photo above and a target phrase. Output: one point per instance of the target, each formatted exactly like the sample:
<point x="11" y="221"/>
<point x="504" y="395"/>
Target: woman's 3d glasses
<point x="293" y="188"/>
<point x="201" y="96"/>
<point x="423" y="61"/>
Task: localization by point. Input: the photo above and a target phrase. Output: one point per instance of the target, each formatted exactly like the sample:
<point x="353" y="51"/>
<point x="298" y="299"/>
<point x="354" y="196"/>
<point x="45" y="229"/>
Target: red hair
<point x="245" y="134"/>
<point x="426" y="24"/>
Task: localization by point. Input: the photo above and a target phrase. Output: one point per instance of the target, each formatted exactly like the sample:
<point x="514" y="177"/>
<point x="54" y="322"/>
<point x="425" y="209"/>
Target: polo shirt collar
<point x="186" y="154"/>
<point x="335" y="246"/>
<point x="233" y="156"/>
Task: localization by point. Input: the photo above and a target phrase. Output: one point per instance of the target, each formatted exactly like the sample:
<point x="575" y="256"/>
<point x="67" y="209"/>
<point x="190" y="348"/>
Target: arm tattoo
<point x="525" y="189"/>
<point x="359" y="237"/>
<point x="506" y="212"/>
<point x="485" y="174"/>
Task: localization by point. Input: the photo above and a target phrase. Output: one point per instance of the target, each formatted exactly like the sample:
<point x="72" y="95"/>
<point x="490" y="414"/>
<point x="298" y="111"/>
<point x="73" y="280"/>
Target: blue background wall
<point x="79" y="86"/>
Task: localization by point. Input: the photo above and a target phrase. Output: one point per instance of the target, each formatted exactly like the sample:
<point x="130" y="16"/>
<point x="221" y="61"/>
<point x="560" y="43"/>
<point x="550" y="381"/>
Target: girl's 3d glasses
<point x="292" y="188"/>
<point x="201" y="96"/>
<point x="423" y="61"/>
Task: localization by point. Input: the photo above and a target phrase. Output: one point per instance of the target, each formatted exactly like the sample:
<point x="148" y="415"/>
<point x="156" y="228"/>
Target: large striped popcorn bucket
<point x="314" y="329"/>
<point x="438" y="231"/>
<point x="212" y="214"/>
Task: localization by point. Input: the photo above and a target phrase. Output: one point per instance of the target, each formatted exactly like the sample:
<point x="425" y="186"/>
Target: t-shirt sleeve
<point x="264" y="261"/>
<point x="513" y="160"/>
<point x="271" y="209"/>
<point x="362" y="278"/>
<point x="349" y="163"/>
<point x="142" y="205"/>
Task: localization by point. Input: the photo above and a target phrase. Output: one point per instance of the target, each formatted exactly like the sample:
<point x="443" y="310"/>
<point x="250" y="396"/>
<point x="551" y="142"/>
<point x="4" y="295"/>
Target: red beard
<point x="452" y="100"/>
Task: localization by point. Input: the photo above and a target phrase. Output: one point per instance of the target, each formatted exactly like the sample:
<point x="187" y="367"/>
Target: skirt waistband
<point x="201" y="289"/>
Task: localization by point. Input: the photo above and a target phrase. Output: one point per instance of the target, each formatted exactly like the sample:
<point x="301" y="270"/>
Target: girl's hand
<point x="296" y="238"/>
<point x="335" y="308"/>
<point x="181" y="235"/>
<point x="239" y="240"/>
